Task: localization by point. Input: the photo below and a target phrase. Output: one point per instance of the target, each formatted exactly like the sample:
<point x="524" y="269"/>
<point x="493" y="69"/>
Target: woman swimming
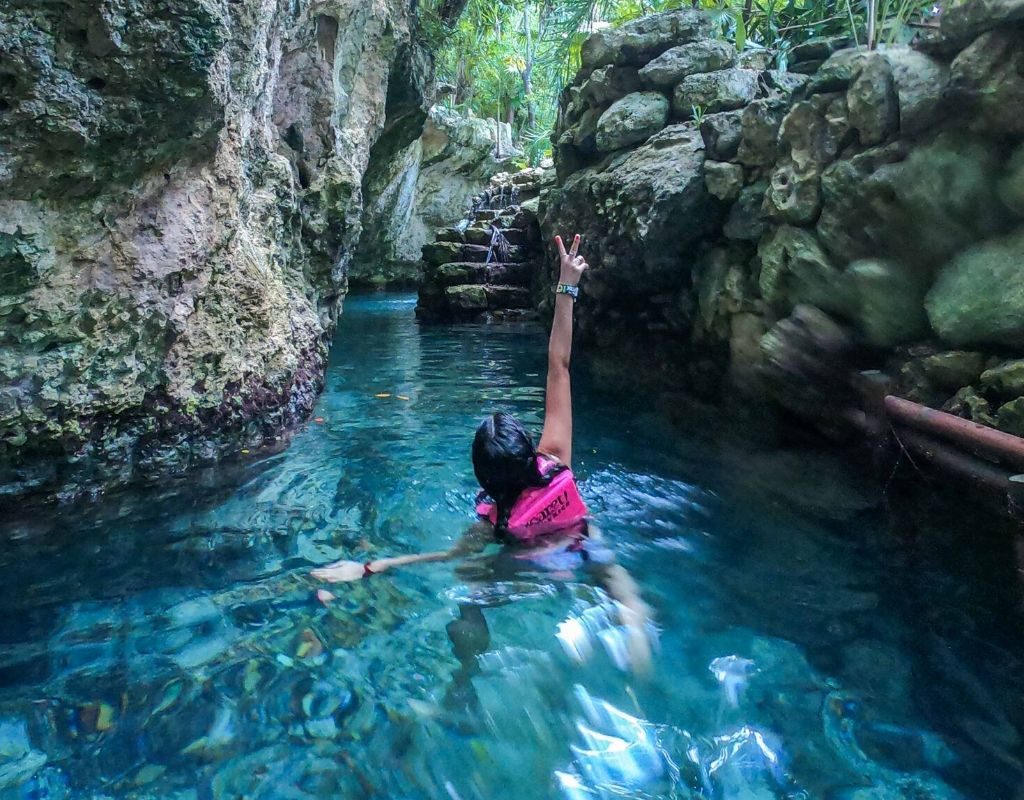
<point x="529" y="495"/>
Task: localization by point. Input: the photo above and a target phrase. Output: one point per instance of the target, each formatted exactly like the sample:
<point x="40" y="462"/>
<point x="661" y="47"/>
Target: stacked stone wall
<point x="771" y="227"/>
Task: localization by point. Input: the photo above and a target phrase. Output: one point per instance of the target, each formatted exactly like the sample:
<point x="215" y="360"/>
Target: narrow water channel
<point x="169" y="643"/>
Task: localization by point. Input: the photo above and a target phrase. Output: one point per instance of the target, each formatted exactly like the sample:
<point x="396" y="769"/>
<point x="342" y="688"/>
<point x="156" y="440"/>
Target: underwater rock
<point x="633" y="119"/>
<point x="978" y="297"/>
<point x="673" y="65"/>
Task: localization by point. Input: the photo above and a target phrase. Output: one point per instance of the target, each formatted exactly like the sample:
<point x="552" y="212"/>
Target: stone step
<point x="486" y="297"/>
<point x="482" y="235"/>
<point x="445" y="252"/>
<point x="473" y="272"/>
<point x="449" y="235"/>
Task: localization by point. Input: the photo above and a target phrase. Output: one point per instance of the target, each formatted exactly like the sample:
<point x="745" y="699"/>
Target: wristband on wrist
<point x="569" y="289"/>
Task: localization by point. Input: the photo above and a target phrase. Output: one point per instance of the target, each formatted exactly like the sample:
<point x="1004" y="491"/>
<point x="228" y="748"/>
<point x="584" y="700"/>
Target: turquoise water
<point x="812" y="643"/>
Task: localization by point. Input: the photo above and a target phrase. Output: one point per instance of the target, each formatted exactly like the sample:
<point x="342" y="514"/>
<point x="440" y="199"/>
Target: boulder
<point x="1006" y="379"/>
<point x="988" y="77"/>
<point x="951" y="369"/>
<point x="794" y="195"/>
<point x="818" y="49"/>
<point x="746" y="221"/>
<point x="969" y="404"/>
<point x="1010" y="417"/>
<point x="760" y="126"/>
<point x="785" y="82"/>
<point x="467" y="298"/>
<point x="978" y="297"/>
<point x="631" y="120"/>
<point x="755" y="58"/>
<point x="723" y="180"/>
<point x="608" y="84"/>
<point x="584" y="133"/>
<point x="722" y="133"/>
<point x="639" y="41"/>
<point x="838" y="71"/>
<point x="889" y="302"/>
<point x="920" y="211"/>
<point x="874" y="111"/>
<point x="921" y="83"/>
<point x="710" y="92"/>
<point x="641" y="213"/>
<point x="677" y="63"/>
<point x="964" y="21"/>
<point x="796" y="270"/>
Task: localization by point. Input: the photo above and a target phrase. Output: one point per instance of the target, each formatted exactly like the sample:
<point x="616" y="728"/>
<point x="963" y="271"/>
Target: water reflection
<point x="169" y="643"/>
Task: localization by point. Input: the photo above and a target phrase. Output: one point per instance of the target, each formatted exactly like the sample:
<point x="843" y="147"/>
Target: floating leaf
<point x="284" y="660"/>
<point x="318" y="419"/>
<point x="245" y="452"/>
<point x="401" y="397"/>
<point x="383" y="394"/>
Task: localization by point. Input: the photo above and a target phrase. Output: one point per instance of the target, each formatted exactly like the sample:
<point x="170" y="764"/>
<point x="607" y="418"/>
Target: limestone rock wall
<point x="415" y="188"/>
<point x="180" y="196"/>
<point x="779" y="228"/>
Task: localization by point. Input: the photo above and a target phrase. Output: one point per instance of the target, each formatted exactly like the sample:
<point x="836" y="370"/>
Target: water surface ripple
<point x="167" y="643"/>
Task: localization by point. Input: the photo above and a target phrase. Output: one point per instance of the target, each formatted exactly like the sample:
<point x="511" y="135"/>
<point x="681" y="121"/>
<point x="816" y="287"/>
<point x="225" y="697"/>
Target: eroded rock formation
<point x="866" y="209"/>
<point x="415" y="189"/>
<point x="180" y="195"/>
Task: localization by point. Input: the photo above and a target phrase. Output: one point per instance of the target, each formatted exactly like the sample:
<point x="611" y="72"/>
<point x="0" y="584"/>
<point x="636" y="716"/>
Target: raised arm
<point x="556" y="440"/>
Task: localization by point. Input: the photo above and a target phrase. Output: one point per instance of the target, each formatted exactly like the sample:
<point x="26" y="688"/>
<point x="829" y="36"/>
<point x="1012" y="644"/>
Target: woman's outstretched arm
<point x="556" y="440"/>
<point x="474" y="540"/>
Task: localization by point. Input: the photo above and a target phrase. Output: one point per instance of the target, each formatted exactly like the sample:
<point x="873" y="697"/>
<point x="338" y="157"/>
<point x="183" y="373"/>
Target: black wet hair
<point x="505" y="463"/>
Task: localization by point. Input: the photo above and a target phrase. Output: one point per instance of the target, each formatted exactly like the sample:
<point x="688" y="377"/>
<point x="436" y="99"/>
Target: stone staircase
<point x="484" y="268"/>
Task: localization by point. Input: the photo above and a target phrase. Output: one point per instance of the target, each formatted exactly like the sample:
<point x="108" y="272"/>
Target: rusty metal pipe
<point x="980" y="438"/>
<point x="943" y="457"/>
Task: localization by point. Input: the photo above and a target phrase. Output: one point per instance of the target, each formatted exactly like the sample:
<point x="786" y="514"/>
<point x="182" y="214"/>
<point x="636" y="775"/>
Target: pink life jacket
<point x="542" y="509"/>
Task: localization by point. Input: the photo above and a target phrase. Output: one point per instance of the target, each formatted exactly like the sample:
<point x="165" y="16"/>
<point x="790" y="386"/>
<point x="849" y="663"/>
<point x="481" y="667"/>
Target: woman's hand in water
<point x="571" y="266"/>
<point x="340" y="572"/>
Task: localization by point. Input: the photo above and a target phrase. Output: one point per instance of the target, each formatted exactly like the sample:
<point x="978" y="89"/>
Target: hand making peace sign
<point x="571" y="265"/>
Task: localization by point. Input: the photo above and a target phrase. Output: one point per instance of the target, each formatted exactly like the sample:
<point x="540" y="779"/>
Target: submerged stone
<point x="988" y="77"/>
<point x="889" y="304"/>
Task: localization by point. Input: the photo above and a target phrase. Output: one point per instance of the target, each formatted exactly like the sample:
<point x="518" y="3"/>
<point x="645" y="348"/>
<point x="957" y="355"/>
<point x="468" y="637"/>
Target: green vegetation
<point x="508" y="60"/>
